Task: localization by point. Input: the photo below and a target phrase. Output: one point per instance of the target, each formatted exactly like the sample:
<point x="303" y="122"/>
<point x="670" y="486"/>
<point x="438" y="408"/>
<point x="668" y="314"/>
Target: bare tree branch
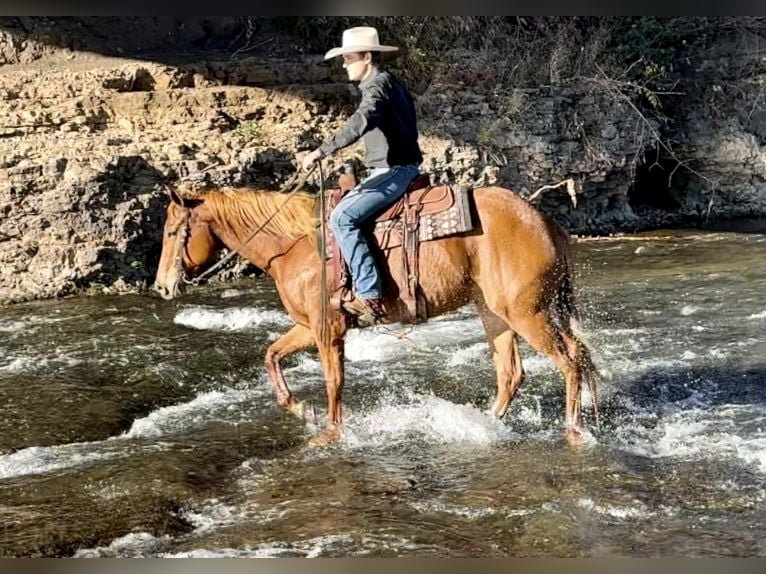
<point x="613" y="87"/>
<point x="570" y="184"/>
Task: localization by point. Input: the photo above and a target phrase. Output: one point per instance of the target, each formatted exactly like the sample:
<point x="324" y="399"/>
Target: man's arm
<point x="367" y="116"/>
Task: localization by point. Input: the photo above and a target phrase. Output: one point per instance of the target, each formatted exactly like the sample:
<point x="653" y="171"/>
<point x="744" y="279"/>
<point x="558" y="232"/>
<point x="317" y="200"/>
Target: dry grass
<point x="490" y="51"/>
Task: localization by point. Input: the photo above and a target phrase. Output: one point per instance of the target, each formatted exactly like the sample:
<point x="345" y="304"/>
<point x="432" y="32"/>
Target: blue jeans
<point x="371" y="197"/>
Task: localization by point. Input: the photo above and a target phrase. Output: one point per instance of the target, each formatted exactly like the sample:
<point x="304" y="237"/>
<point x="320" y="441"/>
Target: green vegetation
<point x="250" y="132"/>
<point x="95" y="288"/>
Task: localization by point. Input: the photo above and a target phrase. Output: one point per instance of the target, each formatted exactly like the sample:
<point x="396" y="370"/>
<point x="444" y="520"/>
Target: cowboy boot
<point x="367" y="311"/>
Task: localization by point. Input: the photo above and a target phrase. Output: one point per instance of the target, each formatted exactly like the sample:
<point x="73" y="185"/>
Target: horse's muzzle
<point x="166" y="292"/>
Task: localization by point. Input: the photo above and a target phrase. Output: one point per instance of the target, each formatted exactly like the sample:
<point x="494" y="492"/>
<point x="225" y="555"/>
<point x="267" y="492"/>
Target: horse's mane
<point x="245" y="209"/>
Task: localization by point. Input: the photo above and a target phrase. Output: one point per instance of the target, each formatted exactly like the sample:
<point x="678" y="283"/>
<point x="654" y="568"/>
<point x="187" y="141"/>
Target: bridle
<point x="185" y="228"/>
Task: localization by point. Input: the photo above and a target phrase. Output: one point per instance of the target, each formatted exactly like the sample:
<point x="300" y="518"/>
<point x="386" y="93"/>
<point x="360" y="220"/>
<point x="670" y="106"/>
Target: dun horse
<point x="516" y="268"/>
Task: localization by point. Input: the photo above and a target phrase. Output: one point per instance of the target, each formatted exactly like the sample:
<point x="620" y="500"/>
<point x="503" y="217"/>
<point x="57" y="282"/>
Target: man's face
<point x="357" y="65"/>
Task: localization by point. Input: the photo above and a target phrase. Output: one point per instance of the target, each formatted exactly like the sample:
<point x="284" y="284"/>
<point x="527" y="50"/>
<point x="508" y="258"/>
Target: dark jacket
<point x="386" y="119"/>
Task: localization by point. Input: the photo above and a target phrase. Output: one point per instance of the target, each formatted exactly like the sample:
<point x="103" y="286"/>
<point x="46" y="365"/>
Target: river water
<point x="132" y="426"/>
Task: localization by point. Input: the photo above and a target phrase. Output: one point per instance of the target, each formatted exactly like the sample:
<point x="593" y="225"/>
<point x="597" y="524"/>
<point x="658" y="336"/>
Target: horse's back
<point x="519" y="254"/>
<point x="512" y="252"/>
<point x="504" y="214"/>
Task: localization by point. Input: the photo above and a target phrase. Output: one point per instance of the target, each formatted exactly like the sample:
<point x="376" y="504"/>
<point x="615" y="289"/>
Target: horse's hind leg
<point x="296" y="339"/>
<point x="580" y="355"/>
<point x="542" y="334"/>
<point x="504" y="345"/>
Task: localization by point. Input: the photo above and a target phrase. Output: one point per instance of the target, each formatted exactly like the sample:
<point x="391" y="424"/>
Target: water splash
<point x="232" y="319"/>
<point x="425" y="418"/>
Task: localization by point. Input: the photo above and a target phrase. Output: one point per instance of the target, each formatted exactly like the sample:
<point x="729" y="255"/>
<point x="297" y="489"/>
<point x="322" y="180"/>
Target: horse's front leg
<point x="332" y="357"/>
<point x="296" y="339"/>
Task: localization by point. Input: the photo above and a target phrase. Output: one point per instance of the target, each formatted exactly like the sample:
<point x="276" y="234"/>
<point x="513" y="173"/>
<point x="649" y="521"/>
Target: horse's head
<point x="188" y="244"/>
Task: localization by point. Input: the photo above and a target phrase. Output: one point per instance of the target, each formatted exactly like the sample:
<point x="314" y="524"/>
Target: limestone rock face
<point x="87" y="141"/>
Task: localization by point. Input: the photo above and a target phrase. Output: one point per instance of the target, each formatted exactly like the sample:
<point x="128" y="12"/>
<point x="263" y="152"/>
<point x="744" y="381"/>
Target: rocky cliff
<point x="90" y="128"/>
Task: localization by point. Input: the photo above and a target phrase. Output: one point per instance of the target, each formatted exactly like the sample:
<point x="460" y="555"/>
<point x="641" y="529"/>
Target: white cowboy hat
<point x="360" y="39"/>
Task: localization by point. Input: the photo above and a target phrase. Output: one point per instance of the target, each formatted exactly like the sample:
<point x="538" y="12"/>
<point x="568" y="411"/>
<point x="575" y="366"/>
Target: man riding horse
<point x="515" y="265"/>
<point x="386" y="121"/>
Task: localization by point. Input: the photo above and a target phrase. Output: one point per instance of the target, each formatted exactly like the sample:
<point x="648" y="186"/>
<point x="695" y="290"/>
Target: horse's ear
<point x="174" y="196"/>
<point x="179" y="199"/>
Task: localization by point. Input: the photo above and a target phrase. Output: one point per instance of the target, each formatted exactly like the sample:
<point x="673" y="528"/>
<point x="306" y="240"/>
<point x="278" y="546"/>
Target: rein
<point x="324" y="297"/>
<point x="179" y="258"/>
<point x="296" y="181"/>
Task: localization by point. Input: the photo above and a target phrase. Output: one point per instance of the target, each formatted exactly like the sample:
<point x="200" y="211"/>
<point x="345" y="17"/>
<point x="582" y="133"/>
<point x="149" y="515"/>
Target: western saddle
<point x="424" y="213"/>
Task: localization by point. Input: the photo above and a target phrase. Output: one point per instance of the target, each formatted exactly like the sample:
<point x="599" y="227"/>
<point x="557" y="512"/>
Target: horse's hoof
<point x="574" y="436"/>
<point x="304" y="410"/>
<point x="499" y="411"/>
<point x="328" y="437"/>
<point x="296" y="408"/>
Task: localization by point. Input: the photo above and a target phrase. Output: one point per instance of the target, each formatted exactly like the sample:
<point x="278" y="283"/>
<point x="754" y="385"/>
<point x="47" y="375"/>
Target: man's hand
<point x="310" y="158"/>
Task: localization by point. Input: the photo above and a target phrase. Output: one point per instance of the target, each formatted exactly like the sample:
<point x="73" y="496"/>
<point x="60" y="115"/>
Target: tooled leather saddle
<point x="424" y="213"/>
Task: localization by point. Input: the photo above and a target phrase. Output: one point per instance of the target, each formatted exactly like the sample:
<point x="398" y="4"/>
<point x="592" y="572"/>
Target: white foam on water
<point x="717" y="353"/>
<point x="369" y="345"/>
<point x="306" y="364"/>
<point x="28" y="322"/>
<point x="469" y="355"/>
<point x="311" y="548"/>
<point x="510" y="512"/>
<point x="615" y="366"/>
<point x="530" y="415"/>
<point x="438" y="334"/>
<point x="26" y="364"/>
<point x="109" y="492"/>
<point x="622" y="331"/>
<point x="19" y="365"/>
<point x="229" y="293"/>
<point x="198" y="412"/>
<point x="11" y="326"/>
<point x="534" y="363"/>
<point x="429" y="418"/>
<point x="214" y="514"/>
<point x="687" y="310"/>
<point x="470" y="512"/>
<point x="135" y="544"/>
<point x="45" y="459"/>
<point x="478" y="353"/>
<point x="204" y="408"/>
<point x="232" y="319"/>
<point x="266" y="551"/>
<point x="755" y="316"/>
<point x="620" y="512"/>
<point x="707" y="432"/>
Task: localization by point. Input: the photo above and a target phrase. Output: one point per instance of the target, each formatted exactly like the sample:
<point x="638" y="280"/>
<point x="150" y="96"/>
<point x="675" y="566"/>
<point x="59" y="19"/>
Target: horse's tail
<point x="568" y="316"/>
<point x="565" y="301"/>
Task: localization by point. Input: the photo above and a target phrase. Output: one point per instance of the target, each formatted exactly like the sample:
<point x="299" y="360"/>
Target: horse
<point x="516" y="267"/>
